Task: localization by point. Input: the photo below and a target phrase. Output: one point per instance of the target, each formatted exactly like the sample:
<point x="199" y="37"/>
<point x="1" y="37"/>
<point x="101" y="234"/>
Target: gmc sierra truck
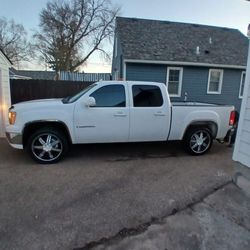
<point x="114" y="112"/>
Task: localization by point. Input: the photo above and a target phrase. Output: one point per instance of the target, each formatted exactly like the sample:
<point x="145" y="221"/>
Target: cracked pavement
<point x="100" y="190"/>
<point x="220" y="221"/>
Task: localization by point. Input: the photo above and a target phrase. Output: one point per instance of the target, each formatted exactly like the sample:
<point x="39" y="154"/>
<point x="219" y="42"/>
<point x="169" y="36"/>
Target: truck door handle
<point x="159" y="113"/>
<point x="120" y="114"/>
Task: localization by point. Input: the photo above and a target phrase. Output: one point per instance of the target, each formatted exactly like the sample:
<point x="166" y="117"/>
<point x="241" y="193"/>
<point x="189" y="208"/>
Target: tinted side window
<point x="110" y="96"/>
<point x="147" y="96"/>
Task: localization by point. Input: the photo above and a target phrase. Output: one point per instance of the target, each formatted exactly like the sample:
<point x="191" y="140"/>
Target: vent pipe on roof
<point x="210" y="40"/>
<point x="197" y="50"/>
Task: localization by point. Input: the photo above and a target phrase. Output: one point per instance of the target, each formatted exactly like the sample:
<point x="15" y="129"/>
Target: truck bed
<point x="184" y="113"/>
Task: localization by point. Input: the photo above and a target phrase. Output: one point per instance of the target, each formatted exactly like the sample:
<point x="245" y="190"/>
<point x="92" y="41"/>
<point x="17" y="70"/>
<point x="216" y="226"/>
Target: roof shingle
<point x="143" y="39"/>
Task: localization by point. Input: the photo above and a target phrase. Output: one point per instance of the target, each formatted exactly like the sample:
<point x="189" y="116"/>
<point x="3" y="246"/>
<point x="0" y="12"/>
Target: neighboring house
<point x="203" y="63"/>
<point x="14" y="74"/>
<point x="62" y="75"/>
<point x="34" y="74"/>
<point x="242" y="146"/>
<point x="5" y="98"/>
<point x="84" y="77"/>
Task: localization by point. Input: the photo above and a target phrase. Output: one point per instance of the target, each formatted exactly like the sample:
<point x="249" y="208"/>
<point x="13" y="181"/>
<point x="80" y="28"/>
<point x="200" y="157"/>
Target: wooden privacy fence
<point x="25" y="90"/>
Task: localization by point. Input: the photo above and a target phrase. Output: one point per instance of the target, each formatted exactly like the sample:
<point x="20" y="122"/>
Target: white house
<point x="5" y="98"/>
<point x="242" y="146"/>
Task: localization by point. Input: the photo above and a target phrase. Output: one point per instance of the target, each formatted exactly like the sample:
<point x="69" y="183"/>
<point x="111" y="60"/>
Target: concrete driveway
<point x="99" y="190"/>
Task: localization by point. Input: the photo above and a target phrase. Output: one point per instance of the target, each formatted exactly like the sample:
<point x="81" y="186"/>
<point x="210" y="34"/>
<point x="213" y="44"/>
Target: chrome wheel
<point x="47" y="147"/>
<point x="200" y="141"/>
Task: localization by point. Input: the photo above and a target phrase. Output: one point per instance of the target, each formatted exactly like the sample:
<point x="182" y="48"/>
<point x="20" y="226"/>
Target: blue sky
<point x="226" y="13"/>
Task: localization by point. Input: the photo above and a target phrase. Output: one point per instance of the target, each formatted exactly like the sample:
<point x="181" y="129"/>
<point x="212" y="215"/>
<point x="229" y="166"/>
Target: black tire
<point x="198" y="141"/>
<point x="47" y="145"/>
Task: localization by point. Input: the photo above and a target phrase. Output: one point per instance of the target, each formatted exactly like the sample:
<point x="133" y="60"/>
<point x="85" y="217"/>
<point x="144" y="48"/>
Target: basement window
<point x="215" y="79"/>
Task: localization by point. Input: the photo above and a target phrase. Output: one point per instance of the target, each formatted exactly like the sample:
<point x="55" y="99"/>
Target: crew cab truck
<point x="112" y="112"/>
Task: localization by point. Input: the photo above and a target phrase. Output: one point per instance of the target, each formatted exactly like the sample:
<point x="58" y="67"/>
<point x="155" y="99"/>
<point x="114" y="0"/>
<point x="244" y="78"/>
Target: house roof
<point x="154" y="40"/>
<point x="14" y="74"/>
<point x="1" y="51"/>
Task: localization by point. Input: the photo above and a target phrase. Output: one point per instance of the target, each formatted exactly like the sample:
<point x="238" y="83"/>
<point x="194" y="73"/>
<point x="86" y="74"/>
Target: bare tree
<point x="72" y="30"/>
<point x="13" y="41"/>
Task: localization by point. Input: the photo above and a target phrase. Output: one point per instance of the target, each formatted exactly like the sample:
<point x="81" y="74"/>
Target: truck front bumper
<point x="15" y="140"/>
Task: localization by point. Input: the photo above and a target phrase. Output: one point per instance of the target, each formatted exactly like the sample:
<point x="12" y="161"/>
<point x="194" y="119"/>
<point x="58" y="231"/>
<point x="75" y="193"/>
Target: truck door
<point x="108" y="120"/>
<point x="149" y="113"/>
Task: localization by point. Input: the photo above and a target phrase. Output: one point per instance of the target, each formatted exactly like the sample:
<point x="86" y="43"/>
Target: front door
<point x="108" y="120"/>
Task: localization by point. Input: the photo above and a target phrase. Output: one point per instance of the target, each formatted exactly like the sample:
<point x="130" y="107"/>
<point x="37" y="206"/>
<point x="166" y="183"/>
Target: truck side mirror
<point x="90" y="102"/>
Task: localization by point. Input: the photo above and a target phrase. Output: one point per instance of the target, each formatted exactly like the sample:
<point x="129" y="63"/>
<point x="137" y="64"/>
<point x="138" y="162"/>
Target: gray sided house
<point x="199" y="62"/>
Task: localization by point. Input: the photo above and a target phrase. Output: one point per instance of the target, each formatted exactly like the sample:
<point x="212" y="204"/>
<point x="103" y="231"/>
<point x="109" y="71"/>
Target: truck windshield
<point x="71" y="99"/>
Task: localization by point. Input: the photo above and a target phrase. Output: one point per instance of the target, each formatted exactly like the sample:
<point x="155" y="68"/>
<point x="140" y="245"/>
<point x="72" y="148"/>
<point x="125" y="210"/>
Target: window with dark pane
<point x="147" y="96"/>
<point x="110" y="96"/>
<point x="242" y="84"/>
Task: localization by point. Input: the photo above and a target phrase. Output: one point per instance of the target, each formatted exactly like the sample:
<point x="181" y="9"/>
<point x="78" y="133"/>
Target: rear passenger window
<point x="147" y="96"/>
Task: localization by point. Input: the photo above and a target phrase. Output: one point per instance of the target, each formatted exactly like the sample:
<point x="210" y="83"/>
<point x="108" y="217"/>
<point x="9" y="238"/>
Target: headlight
<point x="12" y="117"/>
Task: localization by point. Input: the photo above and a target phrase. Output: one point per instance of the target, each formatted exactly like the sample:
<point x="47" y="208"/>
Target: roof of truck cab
<point x="131" y="82"/>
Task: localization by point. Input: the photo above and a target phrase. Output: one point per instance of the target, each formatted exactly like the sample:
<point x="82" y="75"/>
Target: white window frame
<point x="180" y="80"/>
<point x="220" y="82"/>
<point x="241" y="82"/>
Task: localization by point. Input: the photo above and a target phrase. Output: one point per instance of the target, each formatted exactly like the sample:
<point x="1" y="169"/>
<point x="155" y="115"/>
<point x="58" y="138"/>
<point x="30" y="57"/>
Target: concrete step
<point x="243" y="182"/>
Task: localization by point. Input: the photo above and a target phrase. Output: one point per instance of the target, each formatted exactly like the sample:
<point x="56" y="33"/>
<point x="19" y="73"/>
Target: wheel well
<point x="30" y="128"/>
<point x="212" y="126"/>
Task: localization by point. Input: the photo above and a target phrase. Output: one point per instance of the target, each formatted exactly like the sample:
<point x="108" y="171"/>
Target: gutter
<point x="186" y="63"/>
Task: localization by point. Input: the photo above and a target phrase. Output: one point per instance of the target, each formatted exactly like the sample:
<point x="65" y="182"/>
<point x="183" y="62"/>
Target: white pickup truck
<point x="114" y="111"/>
